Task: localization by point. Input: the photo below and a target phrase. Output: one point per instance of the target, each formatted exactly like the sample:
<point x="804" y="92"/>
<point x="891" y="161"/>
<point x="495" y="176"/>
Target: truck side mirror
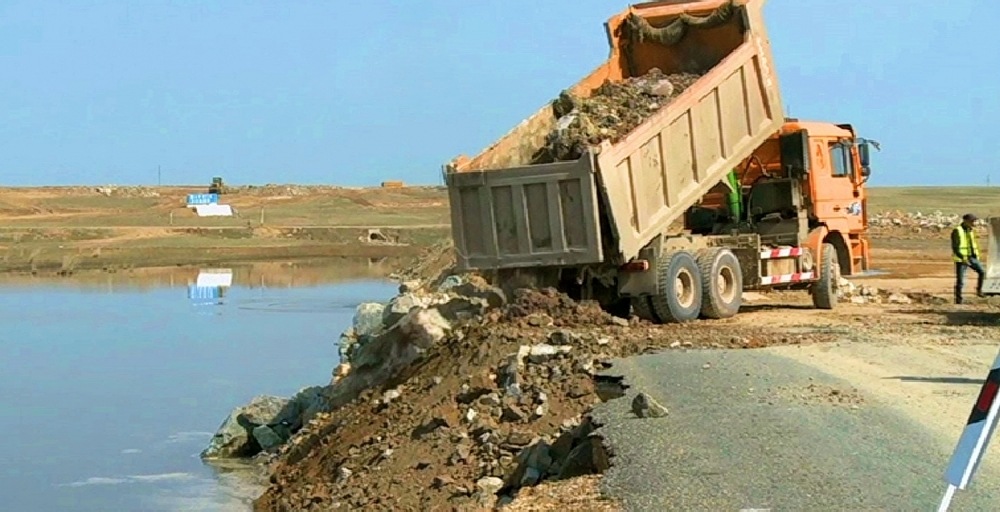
<point x="864" y="154"/>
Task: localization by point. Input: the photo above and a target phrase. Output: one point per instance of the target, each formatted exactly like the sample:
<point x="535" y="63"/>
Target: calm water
<point x="109" y="390"/>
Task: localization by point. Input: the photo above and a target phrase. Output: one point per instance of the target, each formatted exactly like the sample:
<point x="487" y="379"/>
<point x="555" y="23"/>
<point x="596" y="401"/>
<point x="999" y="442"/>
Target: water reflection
<point x="210" y="287"/>
<point x="147" y="385"/>
<point x="297" y="274"/>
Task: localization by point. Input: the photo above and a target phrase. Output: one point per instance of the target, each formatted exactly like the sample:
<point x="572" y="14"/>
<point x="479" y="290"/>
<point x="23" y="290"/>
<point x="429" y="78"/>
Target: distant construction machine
<point x="217" y="187"/>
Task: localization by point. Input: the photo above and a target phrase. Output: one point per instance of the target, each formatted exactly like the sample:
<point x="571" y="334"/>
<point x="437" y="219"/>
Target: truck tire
<point x="642" y="309"/>
<point x="824" y="290"/>
<point x="721" y="283"/>
<point x="679" y="295"/>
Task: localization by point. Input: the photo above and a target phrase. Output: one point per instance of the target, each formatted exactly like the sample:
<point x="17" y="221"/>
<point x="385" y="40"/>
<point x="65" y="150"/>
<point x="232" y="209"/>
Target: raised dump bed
<point x="520" y="203"/>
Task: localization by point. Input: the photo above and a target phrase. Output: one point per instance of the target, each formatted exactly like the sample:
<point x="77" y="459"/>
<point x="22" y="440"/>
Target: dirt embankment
<point x="499" y="403"/>
<point x="494" y="408"/>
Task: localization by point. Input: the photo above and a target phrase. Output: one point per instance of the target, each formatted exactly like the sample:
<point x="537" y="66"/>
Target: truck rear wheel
<point x="678" y="298"/>
<point x="824" y="291"/>
<point x="721" y="283"/>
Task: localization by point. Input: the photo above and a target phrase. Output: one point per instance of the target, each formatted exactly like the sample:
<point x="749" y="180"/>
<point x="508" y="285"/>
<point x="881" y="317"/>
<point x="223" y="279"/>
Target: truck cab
<point x="805" y="186"/>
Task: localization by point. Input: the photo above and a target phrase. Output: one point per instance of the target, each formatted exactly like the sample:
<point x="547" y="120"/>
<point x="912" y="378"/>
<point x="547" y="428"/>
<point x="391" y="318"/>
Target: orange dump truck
<point x="714" y="193"/>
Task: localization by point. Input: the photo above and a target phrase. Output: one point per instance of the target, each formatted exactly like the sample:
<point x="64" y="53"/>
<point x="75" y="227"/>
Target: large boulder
<point x="402" y="304"/>
<point x="304" y="406"/>
<point x="265" y="423"/>
<point x="367" y="322"/>
<point x="235" y="439"/>
<point x="415" y="332"/>
<point x="385" y="356"/>
<point x="368" y="318"/>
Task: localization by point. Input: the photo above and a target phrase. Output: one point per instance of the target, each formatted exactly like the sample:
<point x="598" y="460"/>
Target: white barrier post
<point x="975" y="437"/>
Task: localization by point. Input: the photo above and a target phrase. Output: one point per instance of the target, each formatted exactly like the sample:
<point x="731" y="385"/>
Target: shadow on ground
<point x="972" y="317"/>
<point x="747" y="308"/>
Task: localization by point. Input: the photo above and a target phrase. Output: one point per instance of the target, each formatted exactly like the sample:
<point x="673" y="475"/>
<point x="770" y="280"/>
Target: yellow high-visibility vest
<point x="966" y="240"/>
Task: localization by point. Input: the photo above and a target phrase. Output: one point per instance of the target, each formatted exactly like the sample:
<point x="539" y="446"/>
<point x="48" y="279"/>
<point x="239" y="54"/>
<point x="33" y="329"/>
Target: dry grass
<point x="982" y="200"/>
<point x="68" y="228"/>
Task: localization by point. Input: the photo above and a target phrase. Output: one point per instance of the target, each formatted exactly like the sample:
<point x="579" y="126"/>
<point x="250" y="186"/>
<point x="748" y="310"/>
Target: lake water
<point x="111" y="384"/>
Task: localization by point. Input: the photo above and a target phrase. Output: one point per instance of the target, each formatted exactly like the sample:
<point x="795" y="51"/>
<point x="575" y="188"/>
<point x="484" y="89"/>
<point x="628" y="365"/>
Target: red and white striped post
<point x="975" y="437"/>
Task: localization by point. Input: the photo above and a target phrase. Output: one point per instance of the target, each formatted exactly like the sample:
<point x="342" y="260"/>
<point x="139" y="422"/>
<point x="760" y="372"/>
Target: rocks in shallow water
<point x="347" y="344"/>
<point x="234" y="438"/>
<point x="264" y="424"/>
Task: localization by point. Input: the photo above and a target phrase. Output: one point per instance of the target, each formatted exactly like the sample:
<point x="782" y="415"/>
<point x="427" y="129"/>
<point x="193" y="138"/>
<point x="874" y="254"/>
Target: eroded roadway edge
<point x="739" y="436"/>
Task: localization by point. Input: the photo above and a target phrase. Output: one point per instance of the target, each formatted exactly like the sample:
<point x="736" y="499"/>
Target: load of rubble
<point x="611" y="111"/>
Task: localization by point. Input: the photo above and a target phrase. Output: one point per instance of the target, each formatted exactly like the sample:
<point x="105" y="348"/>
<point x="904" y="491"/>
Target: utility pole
<point x="159" y="177"/>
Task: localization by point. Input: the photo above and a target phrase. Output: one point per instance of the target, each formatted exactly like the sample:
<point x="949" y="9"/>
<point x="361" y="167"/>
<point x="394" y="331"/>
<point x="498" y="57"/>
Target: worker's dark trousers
<point x="960" y="277"/>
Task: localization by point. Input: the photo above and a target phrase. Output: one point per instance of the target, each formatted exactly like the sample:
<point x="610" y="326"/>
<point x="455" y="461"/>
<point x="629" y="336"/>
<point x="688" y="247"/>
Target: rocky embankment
<point x="458" y="396"/>
<point x="890" y="223"/>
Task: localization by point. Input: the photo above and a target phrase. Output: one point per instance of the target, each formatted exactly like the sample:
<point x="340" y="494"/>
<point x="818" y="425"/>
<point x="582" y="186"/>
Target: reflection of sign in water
<point x="210" y="286"/>
<point x="215" y="277"/>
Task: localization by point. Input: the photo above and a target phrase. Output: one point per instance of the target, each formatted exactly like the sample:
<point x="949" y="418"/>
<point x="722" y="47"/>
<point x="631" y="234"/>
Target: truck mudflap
<point x="538" y="215"/>
<point x="991" y="285"/>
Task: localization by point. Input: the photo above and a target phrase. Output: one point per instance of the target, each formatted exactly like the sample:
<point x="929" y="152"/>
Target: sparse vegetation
<point x="145" y="227"/>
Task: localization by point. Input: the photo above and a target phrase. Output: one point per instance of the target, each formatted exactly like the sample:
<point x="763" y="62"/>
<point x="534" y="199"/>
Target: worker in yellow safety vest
<point x="965" y="252"/>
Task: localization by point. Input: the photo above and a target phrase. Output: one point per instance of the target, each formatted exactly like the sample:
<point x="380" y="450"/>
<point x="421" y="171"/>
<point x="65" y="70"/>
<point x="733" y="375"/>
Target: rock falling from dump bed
<point x="612" y="111"/>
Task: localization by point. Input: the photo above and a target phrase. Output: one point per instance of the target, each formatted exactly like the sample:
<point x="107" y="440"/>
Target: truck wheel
<point x="642" y="309"/>
<point x="721" y="283"/>
<point x="824" y="291"/>
<point x="679" y="282"/>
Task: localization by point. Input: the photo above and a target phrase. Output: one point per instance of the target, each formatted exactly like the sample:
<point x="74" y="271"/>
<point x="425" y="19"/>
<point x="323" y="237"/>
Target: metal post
<point x="946" y="499"/>
<point x="261" y="215"/>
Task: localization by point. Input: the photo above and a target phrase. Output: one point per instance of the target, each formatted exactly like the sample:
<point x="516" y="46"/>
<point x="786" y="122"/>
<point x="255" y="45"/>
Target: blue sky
<point x="356" y="92"/>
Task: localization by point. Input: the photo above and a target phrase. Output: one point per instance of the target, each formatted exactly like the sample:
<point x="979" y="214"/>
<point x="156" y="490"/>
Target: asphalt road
<point x="747" y="432"/>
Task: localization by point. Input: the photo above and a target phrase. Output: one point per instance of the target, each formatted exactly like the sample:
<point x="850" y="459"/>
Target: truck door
<point x="835" y="198"/>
